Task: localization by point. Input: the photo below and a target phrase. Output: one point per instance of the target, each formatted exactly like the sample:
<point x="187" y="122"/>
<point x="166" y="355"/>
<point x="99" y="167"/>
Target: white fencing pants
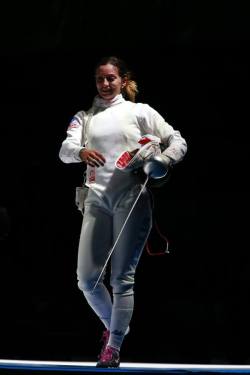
<point x="102" y="222"/>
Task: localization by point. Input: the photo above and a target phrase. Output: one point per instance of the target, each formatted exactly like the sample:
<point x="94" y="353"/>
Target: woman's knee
<point x="122" y="285"/>
<point x="86" y="284"/>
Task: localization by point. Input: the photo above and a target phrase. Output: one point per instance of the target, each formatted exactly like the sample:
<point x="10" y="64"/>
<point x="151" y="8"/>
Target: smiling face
<point x="108" y="81"/>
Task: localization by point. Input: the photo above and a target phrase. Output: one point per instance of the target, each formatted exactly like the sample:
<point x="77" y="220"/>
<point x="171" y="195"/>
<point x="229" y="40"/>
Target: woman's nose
<point x="105" y="82"/>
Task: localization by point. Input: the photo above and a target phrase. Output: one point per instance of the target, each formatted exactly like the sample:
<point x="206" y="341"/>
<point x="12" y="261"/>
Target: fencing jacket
<point x="114" y="127"/>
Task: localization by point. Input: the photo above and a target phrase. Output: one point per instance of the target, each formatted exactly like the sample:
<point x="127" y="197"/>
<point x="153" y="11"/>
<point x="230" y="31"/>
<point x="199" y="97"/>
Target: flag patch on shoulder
<point x="74" y="123"/>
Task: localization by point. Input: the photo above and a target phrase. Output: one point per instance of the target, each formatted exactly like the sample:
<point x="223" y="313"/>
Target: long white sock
<point x="122" y="311"/>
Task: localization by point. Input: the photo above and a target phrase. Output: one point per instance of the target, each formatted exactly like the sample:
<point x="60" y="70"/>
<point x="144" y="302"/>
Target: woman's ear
<point x="124" y="82"/>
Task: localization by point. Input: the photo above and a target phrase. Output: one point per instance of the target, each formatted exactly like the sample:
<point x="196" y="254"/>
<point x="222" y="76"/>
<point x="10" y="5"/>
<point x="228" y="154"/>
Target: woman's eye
<point x="108" y="78"/>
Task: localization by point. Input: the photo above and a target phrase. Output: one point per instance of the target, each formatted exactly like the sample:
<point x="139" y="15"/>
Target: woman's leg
<point x="95" y="242"/>
<point x="125" y="260"/>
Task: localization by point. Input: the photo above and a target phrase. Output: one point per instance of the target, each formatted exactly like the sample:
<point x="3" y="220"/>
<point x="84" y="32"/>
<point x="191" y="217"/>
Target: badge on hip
<point x="80" y="197"/>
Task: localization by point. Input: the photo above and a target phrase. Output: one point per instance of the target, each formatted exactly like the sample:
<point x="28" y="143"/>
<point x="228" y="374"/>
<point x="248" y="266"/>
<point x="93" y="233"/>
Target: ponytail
<point x="130" y="90"/>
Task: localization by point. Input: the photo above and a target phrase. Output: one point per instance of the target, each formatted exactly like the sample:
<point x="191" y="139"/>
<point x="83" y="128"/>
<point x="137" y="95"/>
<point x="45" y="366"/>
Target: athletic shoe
<point x="109" y="358"/>
<point x="104" y="340"/>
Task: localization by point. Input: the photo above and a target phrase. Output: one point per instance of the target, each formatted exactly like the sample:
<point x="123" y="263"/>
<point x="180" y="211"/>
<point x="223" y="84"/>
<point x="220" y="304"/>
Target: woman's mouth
<point x="105" y="92"/>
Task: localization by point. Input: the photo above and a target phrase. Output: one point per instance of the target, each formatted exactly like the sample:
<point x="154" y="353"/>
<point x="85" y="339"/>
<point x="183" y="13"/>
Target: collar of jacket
<point x="102" y="103"/>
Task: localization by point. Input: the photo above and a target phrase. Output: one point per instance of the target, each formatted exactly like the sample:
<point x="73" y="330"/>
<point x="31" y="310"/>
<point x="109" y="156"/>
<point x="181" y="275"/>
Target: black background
<point x="191" y="62"/>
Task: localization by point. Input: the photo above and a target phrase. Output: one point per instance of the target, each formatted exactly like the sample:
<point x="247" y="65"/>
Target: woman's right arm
<point x="72" y="145"/>
<point x="72" y="148"/>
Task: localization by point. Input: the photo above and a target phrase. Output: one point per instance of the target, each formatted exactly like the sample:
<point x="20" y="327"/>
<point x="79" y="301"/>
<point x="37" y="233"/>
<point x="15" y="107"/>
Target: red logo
<point x="123" y="160"/>
<point x="92" y="175"/>
<point x="144" y="140"/>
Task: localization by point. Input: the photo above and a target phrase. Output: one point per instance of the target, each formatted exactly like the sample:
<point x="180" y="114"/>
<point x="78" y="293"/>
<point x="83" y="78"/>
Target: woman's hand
<point x="92" y="157"/>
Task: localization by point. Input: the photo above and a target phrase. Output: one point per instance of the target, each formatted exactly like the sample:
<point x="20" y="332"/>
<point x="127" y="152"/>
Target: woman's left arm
<point x="175" y="146"/>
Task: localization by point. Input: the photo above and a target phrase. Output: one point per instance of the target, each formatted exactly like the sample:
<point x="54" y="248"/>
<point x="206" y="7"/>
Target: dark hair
<point x="130" y="90"/>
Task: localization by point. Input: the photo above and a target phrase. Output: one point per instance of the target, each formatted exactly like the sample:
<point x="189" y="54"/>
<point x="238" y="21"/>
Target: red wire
<point x="166" y="251"/>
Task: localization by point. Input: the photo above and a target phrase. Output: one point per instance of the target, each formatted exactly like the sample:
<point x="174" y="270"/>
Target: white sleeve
<point x="71" y="146"/>
<point x="175" y="146"/>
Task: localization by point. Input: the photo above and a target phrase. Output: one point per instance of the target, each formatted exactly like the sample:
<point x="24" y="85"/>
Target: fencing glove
<point x="149" y="147"/>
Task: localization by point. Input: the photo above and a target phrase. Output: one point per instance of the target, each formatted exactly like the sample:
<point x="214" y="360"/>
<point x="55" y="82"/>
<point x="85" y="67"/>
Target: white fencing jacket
<point x="114" y="127"/>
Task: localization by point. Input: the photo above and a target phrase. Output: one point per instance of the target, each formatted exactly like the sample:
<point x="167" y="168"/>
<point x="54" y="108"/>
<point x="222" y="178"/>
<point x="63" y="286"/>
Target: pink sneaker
<point x="109" y="358"/>
<point x="104" y="340"/>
